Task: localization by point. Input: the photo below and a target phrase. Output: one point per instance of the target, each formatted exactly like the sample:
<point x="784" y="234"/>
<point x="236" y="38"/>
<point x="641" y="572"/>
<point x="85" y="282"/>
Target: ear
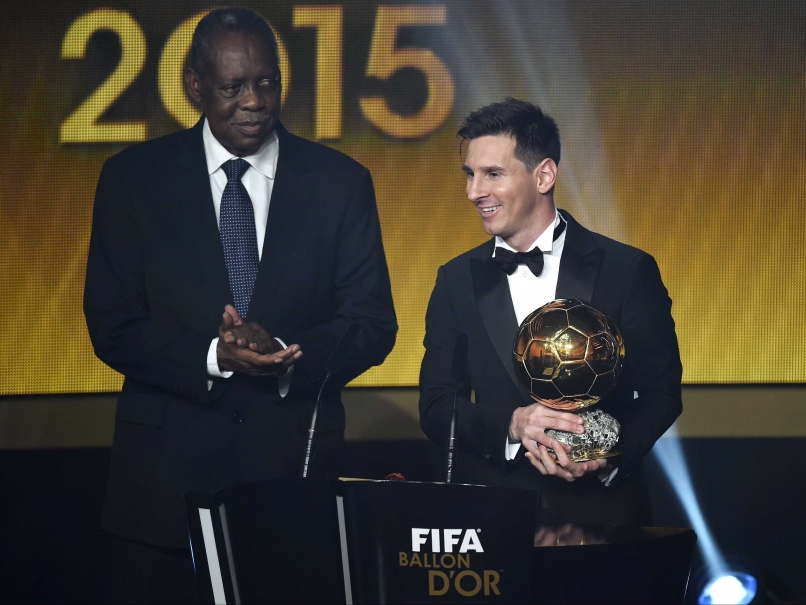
<point x="193" y="86"/>
<point x="545" y="175"/>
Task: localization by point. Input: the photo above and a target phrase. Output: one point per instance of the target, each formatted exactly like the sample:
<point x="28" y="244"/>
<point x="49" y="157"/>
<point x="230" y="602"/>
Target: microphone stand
<point x="458" y="371"/>
<point x="312" y="428"/>
<point x="452" y="438"/>
<point x="334" y="363"/>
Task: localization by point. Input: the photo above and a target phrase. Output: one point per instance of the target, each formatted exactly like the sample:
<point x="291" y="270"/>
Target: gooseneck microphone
<point x="458" y="372"/>
<point x="334" y="363"/>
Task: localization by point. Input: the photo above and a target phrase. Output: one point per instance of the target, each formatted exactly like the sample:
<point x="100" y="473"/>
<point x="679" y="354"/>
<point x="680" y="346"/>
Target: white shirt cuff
<point x="212" y="364"/>
<point x="212" y="361"/>
<point x="511" y="450"/>
<point x="606" y="478"/>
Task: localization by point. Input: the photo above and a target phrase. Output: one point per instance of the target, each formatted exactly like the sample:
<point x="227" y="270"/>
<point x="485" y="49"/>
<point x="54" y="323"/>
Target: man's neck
<point x="544" y="218"/>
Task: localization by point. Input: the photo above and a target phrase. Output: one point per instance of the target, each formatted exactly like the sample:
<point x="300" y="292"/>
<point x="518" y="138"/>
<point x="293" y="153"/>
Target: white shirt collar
<point x="544" y="241"/>
<point x="264" y="161"/>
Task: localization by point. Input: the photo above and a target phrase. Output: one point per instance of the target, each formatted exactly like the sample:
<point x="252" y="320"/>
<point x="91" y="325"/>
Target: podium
<point x="355" y="541"/>
<point x="599" y="564"/>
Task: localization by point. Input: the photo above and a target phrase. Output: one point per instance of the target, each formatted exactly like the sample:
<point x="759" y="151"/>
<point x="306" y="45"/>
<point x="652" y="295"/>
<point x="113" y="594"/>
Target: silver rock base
<point x="598" y="441"/>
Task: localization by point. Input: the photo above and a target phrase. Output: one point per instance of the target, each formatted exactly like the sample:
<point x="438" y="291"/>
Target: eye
<point x="270" y="83"/>
<point x="231" y="89"/>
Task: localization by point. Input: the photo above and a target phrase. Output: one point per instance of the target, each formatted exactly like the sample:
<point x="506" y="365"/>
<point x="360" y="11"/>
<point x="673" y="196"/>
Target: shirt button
<point x="237" y="419"/>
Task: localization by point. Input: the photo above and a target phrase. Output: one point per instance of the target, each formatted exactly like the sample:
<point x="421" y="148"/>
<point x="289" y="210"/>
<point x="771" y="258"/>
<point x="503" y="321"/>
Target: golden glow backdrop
<point x="683" y="134"/>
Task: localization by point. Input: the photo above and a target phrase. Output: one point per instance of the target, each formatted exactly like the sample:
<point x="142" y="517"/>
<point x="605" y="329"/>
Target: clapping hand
<point x="246" y="347"/>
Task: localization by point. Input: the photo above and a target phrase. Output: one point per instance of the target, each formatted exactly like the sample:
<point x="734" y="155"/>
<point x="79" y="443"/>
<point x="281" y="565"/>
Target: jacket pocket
<point x="141" y="408"/>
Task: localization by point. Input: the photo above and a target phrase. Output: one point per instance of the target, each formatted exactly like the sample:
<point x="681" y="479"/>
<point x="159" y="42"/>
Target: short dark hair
<point x="536" y="134"/>
<point x="232" y="19"/>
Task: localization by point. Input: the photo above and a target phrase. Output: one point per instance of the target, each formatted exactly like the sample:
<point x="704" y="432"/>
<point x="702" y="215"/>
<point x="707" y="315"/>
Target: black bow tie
<point x="509" y="260"/>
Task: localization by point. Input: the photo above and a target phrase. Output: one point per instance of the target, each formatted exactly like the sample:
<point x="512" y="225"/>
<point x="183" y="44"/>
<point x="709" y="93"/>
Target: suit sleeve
<point x="362" y="296"/>
<point x="143" y="343"/>
<point x="481" y="429"/>
<point x="652" y="359"/>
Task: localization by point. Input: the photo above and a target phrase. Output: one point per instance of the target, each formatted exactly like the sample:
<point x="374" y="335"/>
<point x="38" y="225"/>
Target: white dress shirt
<point x="259" y="183"/>
<point x="530" y="292"/>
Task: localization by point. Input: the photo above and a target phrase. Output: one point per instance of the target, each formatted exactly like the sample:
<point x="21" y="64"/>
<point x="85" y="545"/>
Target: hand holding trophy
<point x="568" y="356"/>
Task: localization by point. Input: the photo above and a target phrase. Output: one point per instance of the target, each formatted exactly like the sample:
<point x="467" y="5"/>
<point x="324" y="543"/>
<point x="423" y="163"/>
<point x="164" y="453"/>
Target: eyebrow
<point x="485" y="169"/>
<point x="241" y="79"/>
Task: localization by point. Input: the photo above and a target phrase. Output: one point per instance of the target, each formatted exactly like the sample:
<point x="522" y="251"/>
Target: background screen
<point x="682" y="127"/>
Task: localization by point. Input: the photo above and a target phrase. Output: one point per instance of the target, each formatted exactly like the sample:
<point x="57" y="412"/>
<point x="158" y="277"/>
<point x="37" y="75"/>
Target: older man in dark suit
<point x="513" y="149"/>
<point x="225" y="263"/>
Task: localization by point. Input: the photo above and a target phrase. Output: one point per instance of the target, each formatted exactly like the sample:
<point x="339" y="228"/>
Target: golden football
<point x="568" y="354"/>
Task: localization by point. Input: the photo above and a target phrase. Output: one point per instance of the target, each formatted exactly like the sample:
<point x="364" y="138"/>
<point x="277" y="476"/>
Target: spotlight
<point x="729" y="587"/>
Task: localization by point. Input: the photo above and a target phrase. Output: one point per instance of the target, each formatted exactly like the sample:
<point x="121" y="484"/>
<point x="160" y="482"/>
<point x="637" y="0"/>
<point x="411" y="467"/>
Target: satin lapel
<point x="581" y="260"/>
<point x="494" y="302"/>
<point x="290" y="198"/>
<point x="192" y="191"/>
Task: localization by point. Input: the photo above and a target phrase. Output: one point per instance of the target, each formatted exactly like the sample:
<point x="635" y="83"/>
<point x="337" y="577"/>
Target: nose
<point x="251" y="99"/>
<point x="475" y="190"/>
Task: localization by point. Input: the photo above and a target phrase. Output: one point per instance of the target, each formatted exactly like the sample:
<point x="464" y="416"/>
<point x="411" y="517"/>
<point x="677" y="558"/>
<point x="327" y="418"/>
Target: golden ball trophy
<point x="568" y="356"/>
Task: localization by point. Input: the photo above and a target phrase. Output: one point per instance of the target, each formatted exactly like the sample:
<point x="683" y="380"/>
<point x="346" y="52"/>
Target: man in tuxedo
<point x="226" y="261"/>
<point x="539" y="254"/>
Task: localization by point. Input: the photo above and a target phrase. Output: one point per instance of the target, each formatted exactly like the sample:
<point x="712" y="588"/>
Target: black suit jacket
<point x="472" y="296"/>
<point x="155" y="292"/>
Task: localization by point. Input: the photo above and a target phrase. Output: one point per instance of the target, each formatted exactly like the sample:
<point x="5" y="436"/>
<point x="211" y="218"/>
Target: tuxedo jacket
<point x="472" y="296"/>
<point x="155" y="292"/>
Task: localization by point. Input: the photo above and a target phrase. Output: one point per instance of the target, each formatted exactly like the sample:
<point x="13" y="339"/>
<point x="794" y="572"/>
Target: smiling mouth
<point x="489" y="210"/>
